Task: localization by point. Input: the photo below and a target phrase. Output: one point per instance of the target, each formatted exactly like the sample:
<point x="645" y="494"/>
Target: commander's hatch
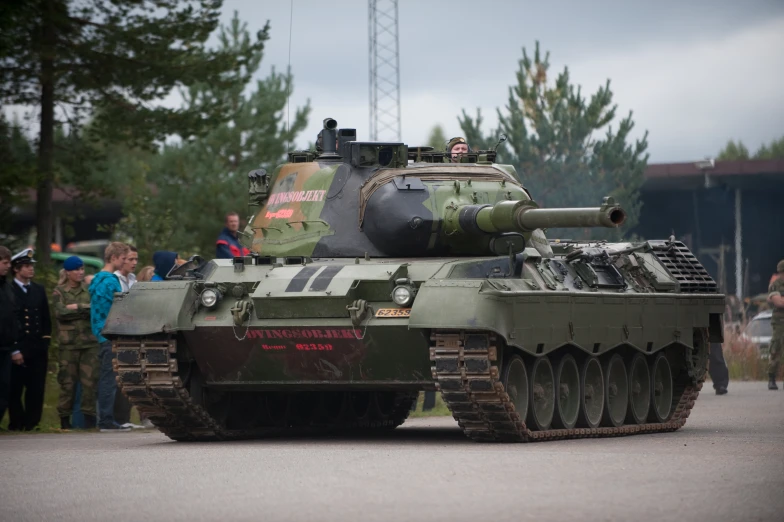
<point x="315" y="290"/>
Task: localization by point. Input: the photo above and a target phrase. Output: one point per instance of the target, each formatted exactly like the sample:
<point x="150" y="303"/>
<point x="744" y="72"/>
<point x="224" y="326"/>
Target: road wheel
<point x="616" y="392"/>
<point x="567" y="393"/>
<point x="591" y="393"/>
<point x="541" y="394"/>
<point x="639" y="389"/>
<point x="515" y="380"/>
<point x="661" y="389"/>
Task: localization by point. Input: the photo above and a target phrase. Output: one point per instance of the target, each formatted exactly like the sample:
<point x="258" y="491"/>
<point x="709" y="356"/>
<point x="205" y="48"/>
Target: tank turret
<point x="350" y="199"/>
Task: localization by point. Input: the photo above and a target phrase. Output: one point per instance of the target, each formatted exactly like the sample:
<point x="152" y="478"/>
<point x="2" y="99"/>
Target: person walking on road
<point x="717" y="368"/>
<point x="776" y="299"/>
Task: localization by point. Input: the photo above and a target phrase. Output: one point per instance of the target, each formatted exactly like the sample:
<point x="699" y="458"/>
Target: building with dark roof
<point x="730" y="213"/>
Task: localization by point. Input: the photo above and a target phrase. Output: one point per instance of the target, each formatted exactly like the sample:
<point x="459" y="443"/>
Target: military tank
<point x="378" y="271"/>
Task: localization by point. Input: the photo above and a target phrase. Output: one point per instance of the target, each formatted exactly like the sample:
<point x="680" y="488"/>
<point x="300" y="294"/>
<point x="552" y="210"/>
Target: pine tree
<point x="112" y="59"/>
<point x="733" y="151"/>
<point x="773" y="151"/>
<point x="199" y="181"/>
<point x="551" y="140"/>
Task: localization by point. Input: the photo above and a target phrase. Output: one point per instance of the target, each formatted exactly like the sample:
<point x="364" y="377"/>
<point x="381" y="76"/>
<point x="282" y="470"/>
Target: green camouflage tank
<point x="378" y="271"/>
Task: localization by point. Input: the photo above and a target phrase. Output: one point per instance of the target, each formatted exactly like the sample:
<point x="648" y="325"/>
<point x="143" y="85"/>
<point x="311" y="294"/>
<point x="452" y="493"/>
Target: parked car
<point x="759" y="332"/>
<point x="92" y="264"/>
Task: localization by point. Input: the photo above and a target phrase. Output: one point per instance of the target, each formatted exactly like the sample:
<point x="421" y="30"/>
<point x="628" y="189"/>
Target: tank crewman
<point x="776" y="300"/>
<point x="79" y="348"/>
<point x="29" y="378"/>
<point x="228" y="245"/>
<point x="9" y="331"/>
<point x="456" y="147"/>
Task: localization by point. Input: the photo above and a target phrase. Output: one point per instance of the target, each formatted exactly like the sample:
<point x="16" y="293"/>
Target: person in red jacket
<point x="228" y="246"/>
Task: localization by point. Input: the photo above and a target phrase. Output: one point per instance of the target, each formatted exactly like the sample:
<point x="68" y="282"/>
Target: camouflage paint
<point x="290" y="219"/>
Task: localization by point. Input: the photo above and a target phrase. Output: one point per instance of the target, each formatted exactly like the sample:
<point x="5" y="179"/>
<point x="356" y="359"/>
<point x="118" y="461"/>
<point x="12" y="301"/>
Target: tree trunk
<point x="46" y="137"/>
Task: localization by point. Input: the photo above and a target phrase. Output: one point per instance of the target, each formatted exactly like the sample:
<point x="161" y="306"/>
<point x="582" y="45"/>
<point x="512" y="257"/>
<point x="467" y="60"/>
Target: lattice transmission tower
<point x="384" y="61"/>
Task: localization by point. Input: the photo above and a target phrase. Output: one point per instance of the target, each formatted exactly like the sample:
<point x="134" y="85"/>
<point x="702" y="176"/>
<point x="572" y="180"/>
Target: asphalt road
<point x="727" y="463"/>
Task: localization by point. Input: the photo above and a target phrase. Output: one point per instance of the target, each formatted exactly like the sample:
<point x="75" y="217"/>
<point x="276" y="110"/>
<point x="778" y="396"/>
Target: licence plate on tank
<point x="393" y="312"/>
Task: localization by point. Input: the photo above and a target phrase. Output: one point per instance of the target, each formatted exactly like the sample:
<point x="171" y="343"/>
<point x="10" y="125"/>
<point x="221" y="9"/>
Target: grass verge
<point x="50" y="420"/>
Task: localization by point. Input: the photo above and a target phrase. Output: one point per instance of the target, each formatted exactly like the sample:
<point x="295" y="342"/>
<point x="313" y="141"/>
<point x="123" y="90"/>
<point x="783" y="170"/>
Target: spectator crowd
<point x="80" y="303"/>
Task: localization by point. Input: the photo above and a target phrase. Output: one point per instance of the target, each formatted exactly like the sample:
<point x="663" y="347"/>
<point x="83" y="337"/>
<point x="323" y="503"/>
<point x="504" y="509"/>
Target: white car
<point x="759" y="331"/>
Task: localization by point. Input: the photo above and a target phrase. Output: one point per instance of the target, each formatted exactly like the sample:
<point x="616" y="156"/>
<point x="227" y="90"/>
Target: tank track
<point x="147" y="373"/>
<point x="471" y="387"/>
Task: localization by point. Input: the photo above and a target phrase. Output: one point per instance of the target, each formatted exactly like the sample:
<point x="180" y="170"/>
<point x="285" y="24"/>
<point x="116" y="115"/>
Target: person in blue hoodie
<point x="164" y="261"/>
<point x="102" y="289"/>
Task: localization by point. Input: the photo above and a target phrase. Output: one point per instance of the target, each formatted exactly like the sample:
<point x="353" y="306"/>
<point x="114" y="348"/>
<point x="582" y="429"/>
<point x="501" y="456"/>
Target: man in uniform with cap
<point x="29" y="379"/>
<point x="456" y="147"/>
<point x="776" y="300"/>
<point x="9" y="331"/>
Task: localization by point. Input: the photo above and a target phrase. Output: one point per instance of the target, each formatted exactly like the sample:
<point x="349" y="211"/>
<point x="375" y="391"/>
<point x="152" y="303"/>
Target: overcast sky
<point x="695" y="74"/>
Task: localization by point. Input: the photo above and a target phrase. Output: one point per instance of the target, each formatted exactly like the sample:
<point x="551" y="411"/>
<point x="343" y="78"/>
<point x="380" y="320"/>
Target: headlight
<point x="402" y="296"/>
<point x="210" y="297"/>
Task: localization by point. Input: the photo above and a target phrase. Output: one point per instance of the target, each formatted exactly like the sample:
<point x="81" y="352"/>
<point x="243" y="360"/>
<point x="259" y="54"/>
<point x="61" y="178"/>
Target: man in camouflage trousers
<point x="776" y="299"/>
<point x="78" y="346"/>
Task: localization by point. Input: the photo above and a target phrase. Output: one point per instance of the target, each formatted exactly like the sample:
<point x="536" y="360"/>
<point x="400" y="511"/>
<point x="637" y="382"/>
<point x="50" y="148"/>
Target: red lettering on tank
<point x="311" y="333"/>
<point x="280" y="214"/>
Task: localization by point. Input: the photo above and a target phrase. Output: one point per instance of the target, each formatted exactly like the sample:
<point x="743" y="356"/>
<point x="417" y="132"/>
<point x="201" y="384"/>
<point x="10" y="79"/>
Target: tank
<point x="378" y="271"/>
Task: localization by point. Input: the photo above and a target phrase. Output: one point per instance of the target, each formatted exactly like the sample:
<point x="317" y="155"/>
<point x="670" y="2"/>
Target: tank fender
<point x="458" y="304"/>
<point x="150" y="308"/>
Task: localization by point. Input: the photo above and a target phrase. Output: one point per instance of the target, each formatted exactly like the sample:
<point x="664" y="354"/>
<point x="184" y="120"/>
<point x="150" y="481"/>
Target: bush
<point x="743" y="359"/>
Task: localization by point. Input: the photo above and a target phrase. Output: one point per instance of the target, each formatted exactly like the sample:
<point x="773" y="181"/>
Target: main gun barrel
<point x="524" y="216"/>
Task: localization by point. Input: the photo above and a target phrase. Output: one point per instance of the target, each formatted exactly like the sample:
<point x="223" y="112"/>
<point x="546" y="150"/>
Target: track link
<point x="147" y="373"/>
<point x="464" y="365"/>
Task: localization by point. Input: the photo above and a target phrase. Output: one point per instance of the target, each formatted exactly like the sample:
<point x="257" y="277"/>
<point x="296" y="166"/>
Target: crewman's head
<point x="457" y="146"/>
